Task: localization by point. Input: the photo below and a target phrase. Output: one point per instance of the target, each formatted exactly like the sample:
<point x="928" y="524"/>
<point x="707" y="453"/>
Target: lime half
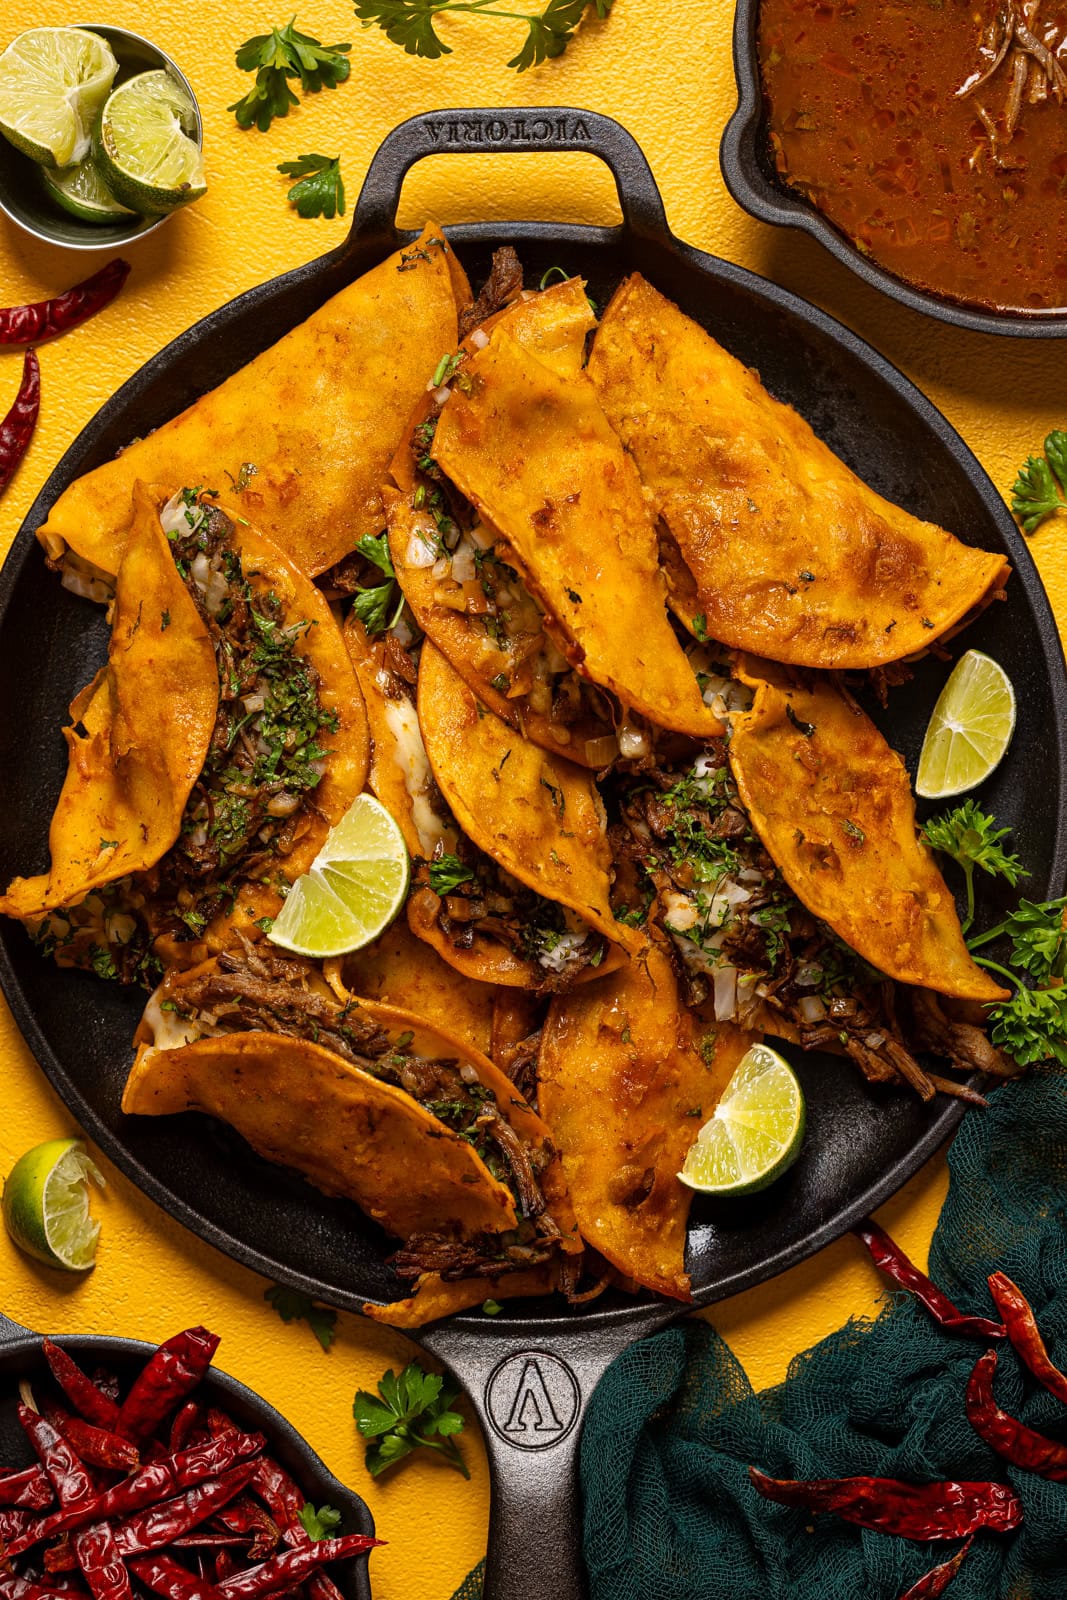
<point x="970" y="728"/>
<point x="353" y="889"/>
<point x="146" y="146"/>
<point x="82" y="191"/>
<point x="46" y="1204"/>
<point x="53" y="82"/>
<point x="756" y="1132"/>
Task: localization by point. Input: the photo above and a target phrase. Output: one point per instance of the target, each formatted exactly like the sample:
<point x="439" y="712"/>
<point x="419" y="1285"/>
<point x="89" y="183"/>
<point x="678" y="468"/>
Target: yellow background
<point x="663" y="68"/>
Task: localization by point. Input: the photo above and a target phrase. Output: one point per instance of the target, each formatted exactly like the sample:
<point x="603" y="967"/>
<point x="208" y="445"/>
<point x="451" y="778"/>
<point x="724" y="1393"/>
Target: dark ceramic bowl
<point x="23" y="195"/>
<point x="749" y="170"/>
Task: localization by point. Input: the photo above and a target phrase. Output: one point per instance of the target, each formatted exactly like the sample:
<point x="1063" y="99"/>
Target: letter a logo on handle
<point x="532" y="1399"/>
<point x="532" y="1405"/>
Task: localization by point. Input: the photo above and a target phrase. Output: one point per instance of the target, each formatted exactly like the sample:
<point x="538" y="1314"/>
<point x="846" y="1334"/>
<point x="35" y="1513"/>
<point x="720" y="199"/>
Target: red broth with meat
<point x="933" y="133"/>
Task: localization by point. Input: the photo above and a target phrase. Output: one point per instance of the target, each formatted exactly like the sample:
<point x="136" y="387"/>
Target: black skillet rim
<point x="758" y="190"/>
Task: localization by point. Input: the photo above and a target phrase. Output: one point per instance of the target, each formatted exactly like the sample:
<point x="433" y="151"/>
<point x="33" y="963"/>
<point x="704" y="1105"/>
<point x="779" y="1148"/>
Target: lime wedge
<point x="46" y="1204"/>
<point x="82" y="191"/>
<point x="969" y="730"/>
<point x="146" y="147"/>
<point x="756" y="1132"/>
<point x="353" y="889"/>
<point x="53" y="82"/>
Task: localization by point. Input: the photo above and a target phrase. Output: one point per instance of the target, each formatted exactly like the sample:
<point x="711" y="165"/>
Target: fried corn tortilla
<point x="627" y="1077"/>
<point x="793" y="556"/>
<point x="147" y="719"/>
<point x="536" y="814"/>
<point x="365" y="1101"/>
<point x="478" y="611"/>
<point x="535" y="455"/>
<point x="833" y="806"/>
<point x="309" y="426"/>
<point x="434" y="1297"/>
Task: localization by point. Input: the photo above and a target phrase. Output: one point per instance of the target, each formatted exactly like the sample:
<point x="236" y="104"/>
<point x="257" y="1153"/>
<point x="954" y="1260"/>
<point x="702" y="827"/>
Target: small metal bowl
<point x="751" y="177"/>
<point x="23" y="195"/>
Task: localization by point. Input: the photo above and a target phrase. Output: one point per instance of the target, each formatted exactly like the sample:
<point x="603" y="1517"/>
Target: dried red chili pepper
<point x="158" y="1525"/>
<point x="16" y="430"/>
<point x="12" y="1588"/>
<point x="100" y="1561"/>
<point x="186" y="1423"/>
<point x="292" y="1566"/>
<point x="224" y="1565"/>
<point x="98" y="1447"/>
<point x="27" y="1487"/>
<point x="147" y="1486"/>
<point x="889" y="1258"/>
<point x="12" y="1521"/>
<point x="285" y="1500"/>
<point x="243" y="1516"/>
<point x="169" y="1578"/>
<point x="913" y="1510"/>
<point x="32" y="324"/>
<point x="60" y="1556"/>
<point x="167" y="1379"/>
<point x="936" y="1581"/>
<point x="1023" y="1331"/>
<point x="68" y="1477"/>
<point x="1009" y="1437"/>
<point x="87" y="1398"/>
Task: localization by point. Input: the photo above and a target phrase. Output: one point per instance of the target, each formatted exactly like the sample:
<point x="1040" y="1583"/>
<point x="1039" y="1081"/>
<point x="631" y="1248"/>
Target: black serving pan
<point x="22" y="1357"/>
<point x="751" y="177"/>
<point x="530" y="1370"/>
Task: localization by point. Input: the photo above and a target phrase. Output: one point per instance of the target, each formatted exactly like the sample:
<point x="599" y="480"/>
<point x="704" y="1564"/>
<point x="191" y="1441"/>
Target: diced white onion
<point x="601" y="752"/>
<point x="442" y="567"/>
<point x="479" y="338"/>
<point x="725" y="994"/>
<point x="481" y="536"/>
<point x="463" y="568"/>
<point x="633" y="742"/>
<point x="811" y="1008"/>
<point x="563" y="952"/>
<point x="420" y="553"/>
<point x="172" y="518"/>
<point x="807" y="975"/>
<point x="750" y="875"/>
<point x="215" y="593"/>
<point x="255" y="701"/>
<point x="469" y="1072"/>
<point x="679" y="912"/>
<point x="442" y="394"/>
<point x="201" y="571"/>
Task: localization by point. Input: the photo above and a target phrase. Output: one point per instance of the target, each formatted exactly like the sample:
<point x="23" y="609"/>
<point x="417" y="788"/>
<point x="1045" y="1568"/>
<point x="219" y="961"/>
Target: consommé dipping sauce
<point x="933" y="133"/>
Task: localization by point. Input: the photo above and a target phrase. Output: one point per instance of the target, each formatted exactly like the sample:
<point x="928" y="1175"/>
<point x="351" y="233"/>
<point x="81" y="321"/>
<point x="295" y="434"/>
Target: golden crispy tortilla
<point x="349" y="1133"/>
<point x="627" y="1078"/>
<point x="833" y="806"/>
<point x="534" y="453"/>
<point x="793" y="556"/>
<point x="147" y="718"/>
<point x="434" y="1298"/>
<point x="553" y="326"/>
<point x="317" y="415"/>
<point x="538" y="815"/>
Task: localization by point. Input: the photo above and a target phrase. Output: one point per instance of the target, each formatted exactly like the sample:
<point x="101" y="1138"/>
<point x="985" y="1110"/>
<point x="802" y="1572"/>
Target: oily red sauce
<point x="866" y="123"/>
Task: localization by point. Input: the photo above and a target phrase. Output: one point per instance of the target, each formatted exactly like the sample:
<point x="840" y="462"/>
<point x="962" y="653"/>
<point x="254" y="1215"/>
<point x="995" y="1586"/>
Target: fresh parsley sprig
<point x="293" y="1306"/>
<point x="971" y="837"/>
<point x="1038" y="939"/>
<point x="410" y="24"/>
<point x="278" y="58"/>
<point x="1040" y="490"/>
<point x="321" y="190"/>
<point x="1032" y="1025"/>
<point x="318" y="1524"/>
<point x="447" y="872"/>
<point x="378" y="606"/>
<point x="409" y="1412"/>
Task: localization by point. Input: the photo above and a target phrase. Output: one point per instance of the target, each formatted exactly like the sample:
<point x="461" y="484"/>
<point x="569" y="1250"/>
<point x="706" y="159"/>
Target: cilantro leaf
<point x="448" y="871"/>
<point x="1040" y="490"/>
<point x="371" y="606"/>
<point x="410" y="1411"/>
<point x="410" y="24"/>
<point x="318" y="1524"/>
<point x="971" y="837"/>
<point x="376" y="550"/>
<point x="275" y="58"/>
<point x="293" y="1306"/>
<point x="321" y="190"/>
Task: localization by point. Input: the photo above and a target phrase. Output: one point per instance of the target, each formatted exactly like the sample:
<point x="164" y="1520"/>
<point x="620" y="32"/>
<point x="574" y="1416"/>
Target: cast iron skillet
<point x="530" y="1370"/>
<point x="751" y="178"/>
<point x="21" y="1356"/>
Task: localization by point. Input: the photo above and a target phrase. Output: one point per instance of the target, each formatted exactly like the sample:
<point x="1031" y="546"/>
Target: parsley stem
<point x="968" y="921"/>
<point x="990" y="934"/>
<point x="994" y="966"/>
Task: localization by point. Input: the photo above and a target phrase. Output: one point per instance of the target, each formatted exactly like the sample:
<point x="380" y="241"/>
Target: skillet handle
<point x="530" y="1393"/>
<point x="11" y="1331"/>
<point x="523" y="128"/>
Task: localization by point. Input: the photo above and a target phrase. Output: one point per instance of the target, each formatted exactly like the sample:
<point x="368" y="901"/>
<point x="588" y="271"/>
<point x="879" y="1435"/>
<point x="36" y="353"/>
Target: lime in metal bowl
<point x="24" y="195"/>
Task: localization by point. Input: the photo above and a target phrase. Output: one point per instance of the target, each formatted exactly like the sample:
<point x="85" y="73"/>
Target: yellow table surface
<point x="664" y="70"/>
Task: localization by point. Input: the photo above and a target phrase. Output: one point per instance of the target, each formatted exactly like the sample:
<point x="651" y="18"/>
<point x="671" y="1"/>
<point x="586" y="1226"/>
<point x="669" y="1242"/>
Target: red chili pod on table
<point x="292" y="1566"/>
<point x="32" y="324"/>
<point x="889" y="1258"/>
<point x="947" y="1510"/>
<point x="1025" y="1336"/>
<point x="936" y="1581"/>
<point x="1010" y="1438"/>
<point x="16" y="430"/>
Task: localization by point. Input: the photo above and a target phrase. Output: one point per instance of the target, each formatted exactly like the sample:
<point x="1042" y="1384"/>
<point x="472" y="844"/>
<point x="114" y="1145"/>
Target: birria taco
<point x="786" y="552"/>
<point x="224" y="785"/>
<point x="368" y="1102"/>
<point x="302" y="435"/>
